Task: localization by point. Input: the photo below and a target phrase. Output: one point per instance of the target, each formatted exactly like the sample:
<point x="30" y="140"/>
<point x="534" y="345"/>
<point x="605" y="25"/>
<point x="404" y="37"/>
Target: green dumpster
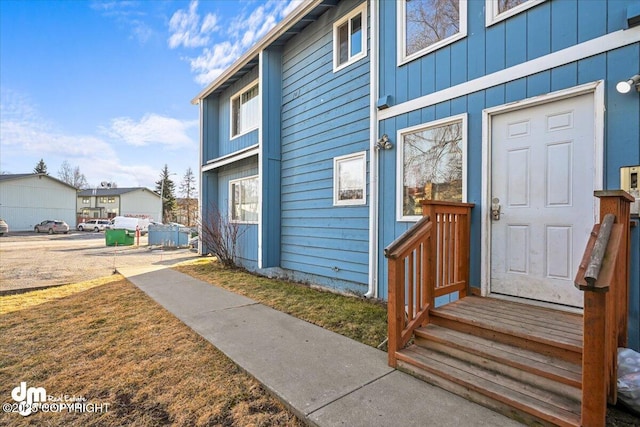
<point x="119" y="237"/>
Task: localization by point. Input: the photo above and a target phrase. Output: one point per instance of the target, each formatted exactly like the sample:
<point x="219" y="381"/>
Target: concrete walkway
<point x="325" y="378"/>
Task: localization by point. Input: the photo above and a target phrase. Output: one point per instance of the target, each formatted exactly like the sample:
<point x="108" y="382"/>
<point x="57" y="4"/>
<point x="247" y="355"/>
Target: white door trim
<point x="597" y="89"/>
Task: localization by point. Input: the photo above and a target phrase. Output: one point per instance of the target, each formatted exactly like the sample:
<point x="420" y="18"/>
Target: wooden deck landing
<point x="539" y="324"/>
<point x="521" y="360"/>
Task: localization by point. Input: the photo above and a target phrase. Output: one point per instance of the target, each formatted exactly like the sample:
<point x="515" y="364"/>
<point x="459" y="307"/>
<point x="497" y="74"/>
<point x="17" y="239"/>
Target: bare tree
<point x="72" y="175"/>
<point x="219" y="236"/>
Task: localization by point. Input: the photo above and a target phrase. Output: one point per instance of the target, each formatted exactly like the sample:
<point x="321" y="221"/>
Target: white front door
<point x="542" y="178"/>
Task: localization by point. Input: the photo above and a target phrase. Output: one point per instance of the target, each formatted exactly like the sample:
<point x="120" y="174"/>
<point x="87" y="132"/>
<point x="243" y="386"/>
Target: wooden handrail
<point x="605" y="304"/>
<point x="428" y="260"/>
<point x="592" y="272"/>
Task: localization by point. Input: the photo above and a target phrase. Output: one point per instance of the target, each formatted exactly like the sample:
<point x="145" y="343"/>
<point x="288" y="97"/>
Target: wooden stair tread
<point x="556" y="322"/>
<point x="516" y="319"/>
<point x="539" y="403"/>
<point x="525" y="310"/>
<point x="526" y="360"/>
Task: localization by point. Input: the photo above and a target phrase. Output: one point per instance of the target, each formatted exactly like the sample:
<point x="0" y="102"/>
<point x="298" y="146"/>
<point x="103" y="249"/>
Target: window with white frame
<point x="86" y="200"/>
<point x="427" y="25"/>
<point x="349" y="179"/>
<point x="431" y="164"/>
<point x="350" y="38"/>
<point x="245" y="110"/>
<point x="498" y="10"/>
<point x="243" y="200"/>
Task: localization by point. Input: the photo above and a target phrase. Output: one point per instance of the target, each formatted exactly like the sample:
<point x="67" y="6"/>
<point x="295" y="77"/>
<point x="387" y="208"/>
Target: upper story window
<point x="243" y="204"/>
<point x="245" y="110"/>
<point x="86" y="200"/>
<point x="431" y="164"/>
<point x="497" y="10"/>
<point x="350" y="38"/>
<point x="427" y="25"/>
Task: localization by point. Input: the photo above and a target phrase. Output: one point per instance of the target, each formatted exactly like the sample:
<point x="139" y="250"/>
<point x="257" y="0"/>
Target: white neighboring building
<point x="30" y="198"/>
<point x="136" y="202"/>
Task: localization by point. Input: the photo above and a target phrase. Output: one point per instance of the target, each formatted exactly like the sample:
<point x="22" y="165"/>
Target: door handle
<point x="495" y="209"/>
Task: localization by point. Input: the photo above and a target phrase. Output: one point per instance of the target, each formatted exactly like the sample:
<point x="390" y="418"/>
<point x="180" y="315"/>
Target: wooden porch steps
<point x="521" y="360"/>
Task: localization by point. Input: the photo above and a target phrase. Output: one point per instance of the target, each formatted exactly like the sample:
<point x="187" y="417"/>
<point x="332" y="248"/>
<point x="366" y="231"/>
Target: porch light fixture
<point x="626" y="85"/>
<point x="384" y="143"/>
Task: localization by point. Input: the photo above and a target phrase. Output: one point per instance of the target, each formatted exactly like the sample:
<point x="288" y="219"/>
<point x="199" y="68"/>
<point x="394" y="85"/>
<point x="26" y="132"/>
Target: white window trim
<point x="493" y="17"/>
<point x="336" y="179"/>
<point x="400" y="160"/>
<point x="360" y="10"/>
<point x="402" y="41"/>
<point x="236" y="95"/>
<point x="230" y="200"/>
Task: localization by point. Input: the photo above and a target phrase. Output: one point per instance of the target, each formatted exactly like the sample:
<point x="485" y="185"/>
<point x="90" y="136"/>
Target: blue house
<point x="326" y="138"/>
<point x="280" y="128"/>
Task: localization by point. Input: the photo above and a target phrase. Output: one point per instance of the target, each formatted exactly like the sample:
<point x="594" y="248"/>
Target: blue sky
<point x="107" y="85"/>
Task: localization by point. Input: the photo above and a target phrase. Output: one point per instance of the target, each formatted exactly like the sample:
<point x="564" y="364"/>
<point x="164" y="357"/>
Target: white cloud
<point x="213" y="61"/>
<point x="290" y="7"/>
<point x="127" y="14"/>
<point x="26" y="137"/>
<point x="152" y="129"/>
<point x="21" y="126"/>
<point x="140" y="31"/>
<point x="186" y="29"/>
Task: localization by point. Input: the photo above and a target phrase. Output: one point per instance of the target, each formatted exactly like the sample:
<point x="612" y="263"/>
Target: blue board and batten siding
<point x="541" y="30"/>
<point x="324" y="115"/>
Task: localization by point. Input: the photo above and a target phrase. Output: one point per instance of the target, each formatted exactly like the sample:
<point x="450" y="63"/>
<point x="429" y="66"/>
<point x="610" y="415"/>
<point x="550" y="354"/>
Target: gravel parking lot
<point x="30" y="260"/>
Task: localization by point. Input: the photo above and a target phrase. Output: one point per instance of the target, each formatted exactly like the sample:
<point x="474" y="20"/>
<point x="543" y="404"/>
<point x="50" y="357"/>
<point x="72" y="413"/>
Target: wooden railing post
<point x="618" y="203"/>
<point x="605" y="308"/>
<point x="429" y="210"/>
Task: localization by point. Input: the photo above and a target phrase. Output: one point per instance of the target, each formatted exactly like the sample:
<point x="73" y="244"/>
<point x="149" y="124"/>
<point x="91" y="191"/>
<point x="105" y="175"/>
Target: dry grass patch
<point x="17" y="302"/>
<point x="111" y="344"/>
<point x="359" y="319"/>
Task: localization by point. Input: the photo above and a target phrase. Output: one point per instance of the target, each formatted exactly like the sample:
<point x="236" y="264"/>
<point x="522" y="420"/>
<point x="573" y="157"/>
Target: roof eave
<point x="269" y="38"/>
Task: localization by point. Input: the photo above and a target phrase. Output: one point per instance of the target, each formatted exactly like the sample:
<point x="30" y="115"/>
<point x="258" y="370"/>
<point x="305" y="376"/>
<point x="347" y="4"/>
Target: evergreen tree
<point x="41" y="167"/>
<point x="188" y="191"/>
<point x="166" y="188"/>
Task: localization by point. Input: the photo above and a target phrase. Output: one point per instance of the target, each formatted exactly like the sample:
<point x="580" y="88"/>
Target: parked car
<point x="94" y="224"/>
<point x="4" y="227"/>
<point x="51" y="226"/>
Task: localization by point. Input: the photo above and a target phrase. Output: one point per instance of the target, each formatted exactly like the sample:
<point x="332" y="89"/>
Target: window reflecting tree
<point x="432" y="166"/>
<point x="430" y="21"/>
<point x="504" y="5"/>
